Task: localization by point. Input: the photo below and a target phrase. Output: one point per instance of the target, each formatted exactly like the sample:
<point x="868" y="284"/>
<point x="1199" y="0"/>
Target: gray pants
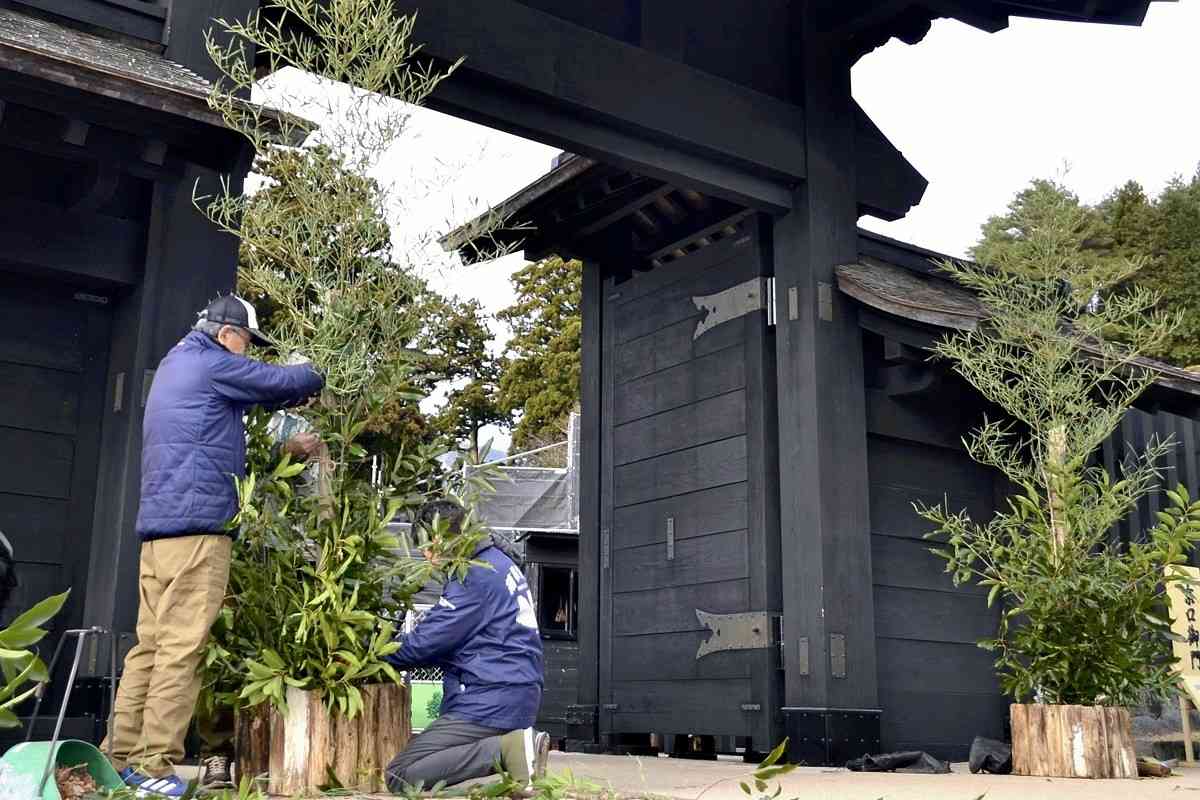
<point x="450" y="750"/>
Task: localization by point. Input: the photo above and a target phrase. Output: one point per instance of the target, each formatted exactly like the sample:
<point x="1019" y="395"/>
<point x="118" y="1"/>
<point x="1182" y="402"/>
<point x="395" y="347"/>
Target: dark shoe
<point x="215" y="773"/>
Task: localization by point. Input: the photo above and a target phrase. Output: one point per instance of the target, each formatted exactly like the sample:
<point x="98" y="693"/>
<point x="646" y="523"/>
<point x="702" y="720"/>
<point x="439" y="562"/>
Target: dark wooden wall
<point x="681" y="428"/>
<point x="53" y="359"/>
<point x="1181" y="466"/>
<point x="937" y="689"/>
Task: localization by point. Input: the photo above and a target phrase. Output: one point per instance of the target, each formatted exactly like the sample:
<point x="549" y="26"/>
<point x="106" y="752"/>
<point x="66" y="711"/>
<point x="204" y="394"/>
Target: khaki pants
<point x="182" y="584"/>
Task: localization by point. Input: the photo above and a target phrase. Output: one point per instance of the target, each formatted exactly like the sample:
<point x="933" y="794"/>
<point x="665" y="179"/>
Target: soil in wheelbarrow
<point x="75" y="783"/>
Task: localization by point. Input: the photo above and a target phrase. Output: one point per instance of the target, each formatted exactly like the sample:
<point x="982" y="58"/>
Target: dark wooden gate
<point x="688" y="499"/>
<point x="53" y="361"/>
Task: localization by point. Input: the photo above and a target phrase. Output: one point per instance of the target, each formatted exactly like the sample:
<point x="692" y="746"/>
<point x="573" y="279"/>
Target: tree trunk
<point x="300" y="749"/>
<point x="1072" y="742"/>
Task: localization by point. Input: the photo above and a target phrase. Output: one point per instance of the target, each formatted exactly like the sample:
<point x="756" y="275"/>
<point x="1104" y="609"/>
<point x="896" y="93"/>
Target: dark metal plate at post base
<point x="829" y="737"/>
<point x="583" y="733"/>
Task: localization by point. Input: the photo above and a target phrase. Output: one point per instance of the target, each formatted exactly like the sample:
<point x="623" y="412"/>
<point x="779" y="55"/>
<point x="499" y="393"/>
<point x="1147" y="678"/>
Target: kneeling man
<point x="483" y="633"/>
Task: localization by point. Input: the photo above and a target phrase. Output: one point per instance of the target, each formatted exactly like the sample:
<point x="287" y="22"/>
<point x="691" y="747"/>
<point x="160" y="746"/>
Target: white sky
<point x="978" y="114"/>
<point x="981" y="114"/>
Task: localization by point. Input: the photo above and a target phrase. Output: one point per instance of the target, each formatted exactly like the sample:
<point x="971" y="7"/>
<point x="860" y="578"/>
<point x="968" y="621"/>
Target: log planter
<point x="300" y="749"/>
<point x="1072" y="742"/>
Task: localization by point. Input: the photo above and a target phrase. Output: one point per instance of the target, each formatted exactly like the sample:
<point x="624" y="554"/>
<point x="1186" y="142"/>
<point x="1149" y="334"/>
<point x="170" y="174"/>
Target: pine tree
<point x="1162" y="233"/>
<point x="540" y="380"/>
<point x="1082" y="253"/>
<point x="454" y="343"/>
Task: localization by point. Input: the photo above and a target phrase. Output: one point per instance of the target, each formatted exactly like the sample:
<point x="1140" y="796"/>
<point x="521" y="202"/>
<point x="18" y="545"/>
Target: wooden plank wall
<point x="677" y="436"/>
<point x="1181" y="465"/>
<point x="53" y="357"/>
<point x="562" y="685"/>
<point x="937" y="689"/>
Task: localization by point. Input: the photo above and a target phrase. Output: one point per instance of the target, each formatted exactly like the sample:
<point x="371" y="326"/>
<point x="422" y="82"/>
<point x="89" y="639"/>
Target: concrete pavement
<point x="718" y="780"/>
<point x="679" y="779"/>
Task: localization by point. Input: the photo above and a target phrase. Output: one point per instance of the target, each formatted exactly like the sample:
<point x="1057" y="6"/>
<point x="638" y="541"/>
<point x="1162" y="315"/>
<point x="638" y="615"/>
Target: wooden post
<point x="582" y="730"/>
<point x="1185" y="715"/>
<point x="300" y="749"/>
<point x="828" y="604"/>
<point x="1073" y="742"/>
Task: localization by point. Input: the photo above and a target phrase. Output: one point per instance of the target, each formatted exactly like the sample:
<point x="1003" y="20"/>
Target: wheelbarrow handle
<point x="81" y="635"/>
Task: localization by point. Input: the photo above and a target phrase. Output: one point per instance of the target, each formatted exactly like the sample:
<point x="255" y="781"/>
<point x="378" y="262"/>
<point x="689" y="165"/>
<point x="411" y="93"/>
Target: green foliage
<point x="767" y="770"/>
<point x="433" y="709"/>
<point x="1085" y="619"/>
<point x="318" y="581"/>
<point x="316" y="585"/>
<point x="1171" y="240"/>
<point x="19" y="664"/>
<point x="562" y="786"/>
<point x="1161" y="234"/>
<point x="454" y="342"/>
<point x="1017" y="242"/>
<point x="541" y="377"/>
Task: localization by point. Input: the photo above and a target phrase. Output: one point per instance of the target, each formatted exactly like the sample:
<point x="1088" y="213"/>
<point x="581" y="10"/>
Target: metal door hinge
<point x="119" y="393"/>
<point x="147" y="382"/>
<point x="605" y="547"/>
<point x="825" y="301"/>
<point x="750" y="631"/>
<point x="837" y="654"/>
<point x="670" y="538"/>
<point x="771" y="310"/>
<point x="736" y="301"/>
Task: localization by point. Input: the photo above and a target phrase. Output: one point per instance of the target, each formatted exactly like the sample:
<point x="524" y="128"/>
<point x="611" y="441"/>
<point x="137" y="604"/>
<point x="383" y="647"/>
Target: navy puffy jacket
<point x="194" y="434"/>
<point x="483" y="634"/>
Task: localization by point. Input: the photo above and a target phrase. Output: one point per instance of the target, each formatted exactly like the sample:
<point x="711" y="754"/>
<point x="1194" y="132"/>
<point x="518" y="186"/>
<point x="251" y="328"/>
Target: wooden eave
<point x="585" y="209"/>
<point x="927" y="300"/>
<point x="44" y="51"/>
<point x="866" y="24"/>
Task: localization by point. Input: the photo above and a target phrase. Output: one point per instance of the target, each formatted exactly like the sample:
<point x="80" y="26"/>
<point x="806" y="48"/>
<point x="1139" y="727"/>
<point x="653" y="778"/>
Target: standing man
<point x="193" y="445"/>
<point x="483" y="633"/>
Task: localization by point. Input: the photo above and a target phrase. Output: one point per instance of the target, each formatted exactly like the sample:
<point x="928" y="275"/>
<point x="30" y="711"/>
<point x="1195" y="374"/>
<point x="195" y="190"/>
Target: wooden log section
<point x="1072" y="742"/>
<point x="299" y="749"/>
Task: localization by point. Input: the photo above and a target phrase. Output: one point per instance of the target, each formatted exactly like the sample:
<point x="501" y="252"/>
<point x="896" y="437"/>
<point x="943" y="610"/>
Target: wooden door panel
<point x="676" y="499"/>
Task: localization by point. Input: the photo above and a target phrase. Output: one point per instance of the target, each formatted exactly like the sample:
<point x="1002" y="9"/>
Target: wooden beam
<point x="75" y="132"/>
<point x="90" y="156"/>
<point x="986" y="19"/>
<point x="589" y="73"/>
<point x="98" y="190"/>
<point x="42" y="237"/>
<point x="477" y="100"/>
<point x="680" y="235"/>
<point x="581" y="80"/>
<point x="202" y="142"/>
<point x="638" y="201"/>
<point x="155" y="152"/>
<point x="844" y="20"/>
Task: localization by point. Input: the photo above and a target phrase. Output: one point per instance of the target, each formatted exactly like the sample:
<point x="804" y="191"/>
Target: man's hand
<point x="302" y="446"/>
